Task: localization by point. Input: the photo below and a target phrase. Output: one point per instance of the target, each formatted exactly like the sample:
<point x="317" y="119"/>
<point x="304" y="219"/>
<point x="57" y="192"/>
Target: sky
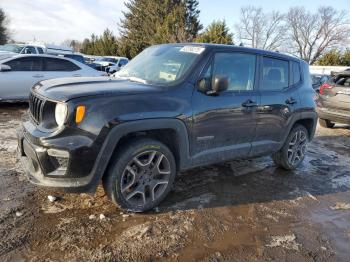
<point x="53" y="21"/>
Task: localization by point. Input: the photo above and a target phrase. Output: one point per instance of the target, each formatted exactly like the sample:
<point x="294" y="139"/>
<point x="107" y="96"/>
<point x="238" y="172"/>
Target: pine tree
<point x="335" y="57"/>
<point x="217" y="32"/>
<point x="103" y="45"/>
<point x="173" y="27"/>
<point x="331" y="58"/>
<point x="193" y="25"/>
<point x="346" y="57"/>
<point x="3" y="31"/>
<point x="148" y="22"/>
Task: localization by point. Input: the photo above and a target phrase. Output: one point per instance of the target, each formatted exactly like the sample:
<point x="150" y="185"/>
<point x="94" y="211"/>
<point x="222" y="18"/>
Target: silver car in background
<point x="21" y="72"/>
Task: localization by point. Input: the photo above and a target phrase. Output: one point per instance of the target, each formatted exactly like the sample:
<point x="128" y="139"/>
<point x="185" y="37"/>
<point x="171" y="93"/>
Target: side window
<point x="55" y="64"/>
<point x="238" y="67"/>
<point x="40" y="50"/>
<point x="29" y="50"/>
<point x="122" y="62"/>
<point x="275" y="74"/>
<point x="25" y="64"/>
<point x="296" y="73"/>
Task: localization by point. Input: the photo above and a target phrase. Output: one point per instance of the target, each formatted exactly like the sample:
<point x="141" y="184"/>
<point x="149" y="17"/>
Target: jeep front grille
<point x="36" y="105"/>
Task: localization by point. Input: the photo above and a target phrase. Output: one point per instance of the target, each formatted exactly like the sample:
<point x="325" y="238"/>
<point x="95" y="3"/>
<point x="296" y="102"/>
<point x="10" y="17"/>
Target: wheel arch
<point x="171" y="132"/>
<point x="309" y="124"/>
<point x="307" y="119"/>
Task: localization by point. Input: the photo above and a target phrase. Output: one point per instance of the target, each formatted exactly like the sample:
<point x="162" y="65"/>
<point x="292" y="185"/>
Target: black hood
<point x="64" y="89"/>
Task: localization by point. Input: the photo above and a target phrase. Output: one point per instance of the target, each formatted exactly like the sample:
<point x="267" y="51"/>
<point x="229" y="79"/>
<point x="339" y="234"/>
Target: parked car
<point x="34" y="49"/>
<point x="115" y="67"/>
<point x="318" y="80"/>
<point x="19" y="73"/>
<point x="20" y="49"/>
<point x="333" y="103"/>
<point x="111" y="64"/>
<point x="135" y="132"/>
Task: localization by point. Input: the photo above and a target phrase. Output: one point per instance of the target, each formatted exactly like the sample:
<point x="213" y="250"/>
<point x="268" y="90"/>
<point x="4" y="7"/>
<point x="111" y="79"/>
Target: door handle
<point x="291" y="101"/>
<point x="249" y="103"/>
<point x="76" y="75"/>
<point x="38" y="76"/>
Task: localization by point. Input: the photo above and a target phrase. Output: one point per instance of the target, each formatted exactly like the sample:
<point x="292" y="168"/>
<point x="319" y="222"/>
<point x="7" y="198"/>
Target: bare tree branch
<point x="260" y="30"/>
<point x="313" y="34"/>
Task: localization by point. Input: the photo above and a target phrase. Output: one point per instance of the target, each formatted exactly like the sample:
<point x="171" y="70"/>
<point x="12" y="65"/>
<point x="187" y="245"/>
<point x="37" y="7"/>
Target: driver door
<point x="224" y="124"/>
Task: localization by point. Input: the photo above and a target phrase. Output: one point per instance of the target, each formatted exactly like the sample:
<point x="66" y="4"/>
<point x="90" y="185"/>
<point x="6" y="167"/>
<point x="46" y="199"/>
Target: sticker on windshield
<point x="192" y="49"/>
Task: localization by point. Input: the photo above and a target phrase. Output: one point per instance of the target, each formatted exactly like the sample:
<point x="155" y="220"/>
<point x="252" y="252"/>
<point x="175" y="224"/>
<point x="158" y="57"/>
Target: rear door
<point x="57" y="67"/>
<point x="25" y="72"/>
<point x="278" y="88"/>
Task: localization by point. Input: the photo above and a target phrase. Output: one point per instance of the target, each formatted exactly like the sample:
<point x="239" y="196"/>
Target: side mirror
<point x="5" y="68"/>
<point x="218" y="84"/>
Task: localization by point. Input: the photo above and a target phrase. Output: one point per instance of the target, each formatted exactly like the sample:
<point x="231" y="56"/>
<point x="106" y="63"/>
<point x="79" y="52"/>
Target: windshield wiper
<point x="133" y="79"/>
<point x="137" y="79"/>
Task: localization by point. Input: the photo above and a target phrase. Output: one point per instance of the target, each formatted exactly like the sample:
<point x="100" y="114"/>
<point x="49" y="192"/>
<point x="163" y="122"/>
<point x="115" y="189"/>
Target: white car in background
<point x="34" y="48"/>
<point x="21" y="72"/>
<point x="112" y="64"/>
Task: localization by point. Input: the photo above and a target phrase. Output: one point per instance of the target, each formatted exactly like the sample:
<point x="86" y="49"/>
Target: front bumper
<point x="334" y="115"/>
<point x="57" y="163"/>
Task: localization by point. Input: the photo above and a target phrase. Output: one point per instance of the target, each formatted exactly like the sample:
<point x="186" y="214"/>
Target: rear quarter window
<point x="296" y="78"/>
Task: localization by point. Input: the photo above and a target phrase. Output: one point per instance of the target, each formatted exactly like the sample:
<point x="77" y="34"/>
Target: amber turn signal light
<point x="79" y="114"/>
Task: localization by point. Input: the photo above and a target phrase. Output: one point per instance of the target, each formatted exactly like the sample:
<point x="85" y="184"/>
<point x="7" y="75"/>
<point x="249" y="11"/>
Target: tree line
<point x="4" y="35"/>
<point x="317" y="37"/>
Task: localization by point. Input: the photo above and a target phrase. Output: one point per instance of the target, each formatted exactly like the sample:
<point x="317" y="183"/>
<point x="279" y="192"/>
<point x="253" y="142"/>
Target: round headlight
<point x="61" y="112"/>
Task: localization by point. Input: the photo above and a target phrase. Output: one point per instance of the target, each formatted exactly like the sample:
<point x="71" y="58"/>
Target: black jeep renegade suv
<point x="173" y="107"/>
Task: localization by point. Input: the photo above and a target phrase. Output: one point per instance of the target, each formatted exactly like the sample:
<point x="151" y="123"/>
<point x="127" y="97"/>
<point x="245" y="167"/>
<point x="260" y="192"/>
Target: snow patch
<point x="286" y="241"/>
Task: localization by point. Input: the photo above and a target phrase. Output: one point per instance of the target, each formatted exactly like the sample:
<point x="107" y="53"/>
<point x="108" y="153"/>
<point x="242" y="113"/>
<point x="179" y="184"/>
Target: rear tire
<point x="326" y="123"/>
<point x="141" y="175"/>
<point x="293" y="151"/>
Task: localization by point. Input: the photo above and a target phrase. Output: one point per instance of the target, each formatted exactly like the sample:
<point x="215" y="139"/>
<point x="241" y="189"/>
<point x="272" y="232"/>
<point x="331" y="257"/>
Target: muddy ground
<point x="237" y="211"/>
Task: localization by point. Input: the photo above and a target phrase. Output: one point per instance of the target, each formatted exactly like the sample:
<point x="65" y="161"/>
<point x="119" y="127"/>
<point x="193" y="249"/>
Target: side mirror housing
<point x="5" y="68"/>
<point x="219" y="83"/>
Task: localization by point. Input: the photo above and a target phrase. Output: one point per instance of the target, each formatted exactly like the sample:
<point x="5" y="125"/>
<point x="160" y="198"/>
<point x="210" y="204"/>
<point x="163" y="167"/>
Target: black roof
<point x="241" y="48"/>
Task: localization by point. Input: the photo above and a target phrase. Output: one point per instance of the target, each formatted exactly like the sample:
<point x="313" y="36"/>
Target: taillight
<point x="325" y="86"/>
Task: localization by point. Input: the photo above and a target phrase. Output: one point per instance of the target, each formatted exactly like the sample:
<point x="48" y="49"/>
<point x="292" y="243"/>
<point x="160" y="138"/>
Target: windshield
<point x="160" y="64"/>
<point x="11" y="48"/>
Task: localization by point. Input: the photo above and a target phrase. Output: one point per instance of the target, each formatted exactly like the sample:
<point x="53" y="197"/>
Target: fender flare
<point x="116" y="133"/>
<point x="303" y="115"/>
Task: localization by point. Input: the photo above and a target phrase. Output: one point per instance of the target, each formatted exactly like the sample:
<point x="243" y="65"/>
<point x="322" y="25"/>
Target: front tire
<point x="293" y="151"/>
<point x="326" y="123"/>
<point x="141" y="175"/>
